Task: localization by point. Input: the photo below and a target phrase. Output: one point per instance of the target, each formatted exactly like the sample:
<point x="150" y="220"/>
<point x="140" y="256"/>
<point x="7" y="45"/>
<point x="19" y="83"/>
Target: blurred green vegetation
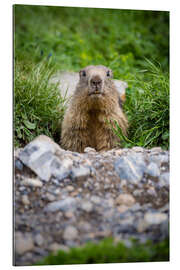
<point x="134" y="44"/>
<point x="107" y="252"/>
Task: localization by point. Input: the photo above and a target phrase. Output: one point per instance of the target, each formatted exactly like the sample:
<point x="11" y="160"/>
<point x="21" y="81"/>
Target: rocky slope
<point x="64" y="199"/>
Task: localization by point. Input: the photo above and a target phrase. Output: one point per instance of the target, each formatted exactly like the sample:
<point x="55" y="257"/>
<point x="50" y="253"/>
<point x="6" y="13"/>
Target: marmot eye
<point x="108" y="73"/>
<point x="84" y="73"/>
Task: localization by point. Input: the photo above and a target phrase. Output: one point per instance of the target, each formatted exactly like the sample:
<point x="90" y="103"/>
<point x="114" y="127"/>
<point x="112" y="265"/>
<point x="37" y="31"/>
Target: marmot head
<point x="94" y="78"/>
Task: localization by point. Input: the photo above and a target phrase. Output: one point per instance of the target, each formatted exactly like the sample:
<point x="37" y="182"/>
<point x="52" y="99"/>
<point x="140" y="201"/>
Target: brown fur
<point x="85" y="121"/>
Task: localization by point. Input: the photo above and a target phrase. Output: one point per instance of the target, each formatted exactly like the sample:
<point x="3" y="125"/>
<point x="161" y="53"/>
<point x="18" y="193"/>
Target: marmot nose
<point x="96" y="82"/>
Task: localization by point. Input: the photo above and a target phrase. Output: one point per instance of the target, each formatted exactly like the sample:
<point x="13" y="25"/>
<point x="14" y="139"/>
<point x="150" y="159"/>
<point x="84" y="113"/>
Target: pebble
<point x="156" y="149"/>
<point x="86" y="206"/>
<point x="80" y="173"/>
<point x="32" y="182"/>
<point x="63" y="205"/>
<point x="25" y="200"/>
<point x="137" y="192"/>
<point x="132" y="206"/>
<point x="130" y="167"/>
<point x="89" y="149"/>
<point x="18" y="165"/>
<point x="152" y="192"/>
<point x="95" y="199"/>
<point x="155" y="218"/>
<point x="138" y="149"/>
<point x="69" y="214"/>
<point x="142" y="226"/>
<point x="122" y="208"/>
<point x="125" y="199"/>
<point x="70" y="188"/>
<point x="118" y="152"/>
<point x="70" y="233"/>
<point x="50" y="197"/>
<point x="23" y="243"/>
<point x="84" y="226"/>
<point x="39" y="240"/>
<point x="67" y="163"/>
<point x="164" y="179"/>
<point x="153" y="170"/>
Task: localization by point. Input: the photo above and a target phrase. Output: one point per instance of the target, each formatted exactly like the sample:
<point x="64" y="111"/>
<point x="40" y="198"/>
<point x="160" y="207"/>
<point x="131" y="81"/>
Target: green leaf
<point x="29" y="125"/>
<point x="165" y="136"/>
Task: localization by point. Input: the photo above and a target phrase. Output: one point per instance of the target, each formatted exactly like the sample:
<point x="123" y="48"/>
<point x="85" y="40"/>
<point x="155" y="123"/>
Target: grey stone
<point x="155" y="218"/>
<point x="71" y="212"/>
<point x="63" y="205"/>
<point x="125" y="199"/>
<point x="135" y="207"/>
<point x="138" y="149"/>
<point x="39" y="240"/>
<point x="95" y="199"/>
<point x="57" y="170"/>
<point x="18" y="165"/>
<point x="50" y="197"/>
<point x="70" y="188"/>
<point x="164" y="179"/>
<point x="156" y="149"/>
<point x="137" y="192"/>
<point x="153" y="170"/>
<point x="159" y="158"/>
<point x="70" y="233"/>
<point x="80" y="173"/>
<point x="23" y="243"/>
<point x="130" y="167"/>
<point x="25" y="200"/>
<point x="84" y="226"/>
<point x="32" y="182"/>
<point x="38" y="156"/>
<point x="86" y="206"/>
<point x="89" y="150"/>
<point x="152" y="192"/>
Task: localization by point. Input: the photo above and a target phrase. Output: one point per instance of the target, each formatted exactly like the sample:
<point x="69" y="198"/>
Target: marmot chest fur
<point x="94" y="105"/>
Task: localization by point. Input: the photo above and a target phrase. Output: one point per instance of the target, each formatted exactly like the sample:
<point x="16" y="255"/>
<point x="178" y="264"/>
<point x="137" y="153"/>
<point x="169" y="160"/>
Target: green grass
<point x="38" y="106"/>
<point x="47" y="39"/>
<point x="147" y="108"/>
<point x="107" y="252"/>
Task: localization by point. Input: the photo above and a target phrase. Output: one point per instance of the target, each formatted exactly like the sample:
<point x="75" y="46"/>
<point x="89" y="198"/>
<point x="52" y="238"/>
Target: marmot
<point x="94" y="104"/>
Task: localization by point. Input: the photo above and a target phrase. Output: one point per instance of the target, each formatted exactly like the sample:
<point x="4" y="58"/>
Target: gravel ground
<point x="64" y="199"/>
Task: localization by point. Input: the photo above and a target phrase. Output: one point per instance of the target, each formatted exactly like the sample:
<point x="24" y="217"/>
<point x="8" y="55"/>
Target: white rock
<point x="63" y="205"/>
<point x="155" y="218"/>
<point x="80" y="173"/>
<point x="32" y="182"/>
<point x="23" y="243"/>
<point x="25" y="200"/>
<point x="89" y="149"/>
<point x="70" y="233"/>
<point x="125" y="199"/>
<point x="95" y="199"/>
<point x="153" y="170"/>
<point x="87" y="206"/>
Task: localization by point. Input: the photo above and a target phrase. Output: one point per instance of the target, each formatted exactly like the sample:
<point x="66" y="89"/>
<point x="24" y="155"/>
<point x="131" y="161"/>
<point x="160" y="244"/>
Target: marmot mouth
<point x="95" y="94"/>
